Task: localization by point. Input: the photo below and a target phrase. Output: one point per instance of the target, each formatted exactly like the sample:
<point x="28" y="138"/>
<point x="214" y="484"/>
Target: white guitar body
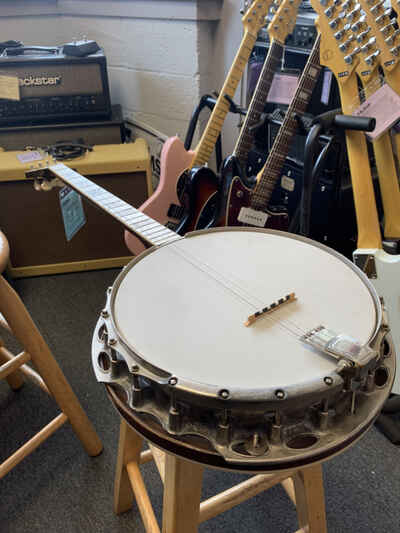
<point x="387" y="285"/>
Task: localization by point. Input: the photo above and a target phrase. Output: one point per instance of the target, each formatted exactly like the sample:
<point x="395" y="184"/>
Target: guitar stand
<point x="335" y="124"/>
<point x="208" y="100"/>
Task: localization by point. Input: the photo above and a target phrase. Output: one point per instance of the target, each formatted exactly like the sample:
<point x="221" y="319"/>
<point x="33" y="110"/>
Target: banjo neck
<point x="147" y="229"/>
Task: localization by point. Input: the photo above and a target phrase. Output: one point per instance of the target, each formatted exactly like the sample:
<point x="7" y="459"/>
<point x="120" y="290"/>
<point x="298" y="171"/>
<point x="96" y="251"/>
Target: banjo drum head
<point x="178" y="313"/>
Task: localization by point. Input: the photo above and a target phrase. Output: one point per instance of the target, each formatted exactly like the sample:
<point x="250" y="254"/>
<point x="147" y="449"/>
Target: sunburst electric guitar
<point x="340" y="51"/>
<point x="180" y="181"/>
<point x="281" y="25"/>
<point x="250" y="207"/>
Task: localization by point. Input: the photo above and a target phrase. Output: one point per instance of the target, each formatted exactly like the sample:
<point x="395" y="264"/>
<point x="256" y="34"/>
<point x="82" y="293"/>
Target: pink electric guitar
<point x="179" y="182"/>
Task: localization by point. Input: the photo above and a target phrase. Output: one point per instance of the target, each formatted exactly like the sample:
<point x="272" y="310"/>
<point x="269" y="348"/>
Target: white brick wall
<point x="162" y="54"/>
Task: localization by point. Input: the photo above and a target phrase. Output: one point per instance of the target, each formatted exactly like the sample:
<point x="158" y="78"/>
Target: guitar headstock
<point x="284" y="20"/>
<point x="339" y="49"/>
<point x="43" y="178"/>
<point x="379" y="26"/>
<point x="254" y="15"/>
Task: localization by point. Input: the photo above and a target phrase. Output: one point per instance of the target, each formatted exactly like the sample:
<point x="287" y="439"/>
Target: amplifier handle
<point x="20" y="50"/>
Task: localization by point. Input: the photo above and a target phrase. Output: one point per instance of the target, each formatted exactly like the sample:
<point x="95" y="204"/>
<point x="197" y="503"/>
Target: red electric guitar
<point x="243" y="205"/>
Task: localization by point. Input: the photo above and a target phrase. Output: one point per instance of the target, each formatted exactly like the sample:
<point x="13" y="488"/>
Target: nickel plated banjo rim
<point x="206" y="392"/>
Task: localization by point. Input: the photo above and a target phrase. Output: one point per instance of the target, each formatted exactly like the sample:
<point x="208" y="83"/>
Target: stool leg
<point x="129" y="447"/>
<point x="310" y="499"/>
<point x="182" y="494"/>
<point x="25" y="330"/>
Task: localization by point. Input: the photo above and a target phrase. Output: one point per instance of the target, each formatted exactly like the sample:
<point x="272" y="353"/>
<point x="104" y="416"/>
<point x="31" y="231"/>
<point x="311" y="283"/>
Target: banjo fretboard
<point x="134" y="220"/>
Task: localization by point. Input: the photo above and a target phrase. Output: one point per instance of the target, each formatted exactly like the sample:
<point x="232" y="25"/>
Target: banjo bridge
<point x="339" y="346"/>
<point x="270" y="308"/>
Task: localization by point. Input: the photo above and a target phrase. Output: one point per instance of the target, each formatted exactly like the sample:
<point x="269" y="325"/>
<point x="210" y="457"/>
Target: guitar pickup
<point x="339" y="346"/>
<point x="176" y="211"/>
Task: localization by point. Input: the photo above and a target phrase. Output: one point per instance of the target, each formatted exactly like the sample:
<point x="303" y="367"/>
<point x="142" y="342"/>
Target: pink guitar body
<point x="174" y="160"/>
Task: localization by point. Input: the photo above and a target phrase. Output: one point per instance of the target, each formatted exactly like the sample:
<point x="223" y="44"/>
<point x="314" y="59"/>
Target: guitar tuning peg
<point x="390" y="40"/>
<point x="370" y="60"/>
<point x="368" y="45"/>
<point x="347" y="4"/>
<point x="363" y="35"/>
<point x="359" y="25"/>
<point x="375" y="9"/>
<point x="344" y="46"/>
<point x="330" y="11"/>
<point x="395" y="50"/>
<point x="349" y="58"/>
<point x="334" y="22"/>
<point x="354" y="13"/>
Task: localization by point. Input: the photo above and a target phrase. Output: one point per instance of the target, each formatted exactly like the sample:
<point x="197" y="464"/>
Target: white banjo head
<point x="182" y="308"/>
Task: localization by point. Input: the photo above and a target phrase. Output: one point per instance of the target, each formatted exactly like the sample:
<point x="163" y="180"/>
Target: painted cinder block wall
<point x="162" y="55"/>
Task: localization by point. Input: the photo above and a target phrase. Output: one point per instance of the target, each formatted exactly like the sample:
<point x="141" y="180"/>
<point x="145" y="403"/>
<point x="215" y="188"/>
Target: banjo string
<point x="239" y="291"/>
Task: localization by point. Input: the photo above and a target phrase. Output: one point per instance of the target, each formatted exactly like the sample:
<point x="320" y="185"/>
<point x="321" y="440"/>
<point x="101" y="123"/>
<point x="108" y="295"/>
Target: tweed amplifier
<point x="34" y="222"/>
<point x="54" y="87"/>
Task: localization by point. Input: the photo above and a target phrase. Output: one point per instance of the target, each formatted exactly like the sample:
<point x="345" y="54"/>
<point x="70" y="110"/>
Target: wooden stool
<point x="15" y="318"/>
<point x="182" y="479"/>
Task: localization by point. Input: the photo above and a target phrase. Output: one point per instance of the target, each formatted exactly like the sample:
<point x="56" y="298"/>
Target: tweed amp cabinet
<point x="33" y="221"/>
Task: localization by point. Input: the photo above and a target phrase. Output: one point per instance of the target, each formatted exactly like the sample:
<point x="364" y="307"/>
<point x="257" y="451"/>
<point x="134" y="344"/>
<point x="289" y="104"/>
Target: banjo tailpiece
<point x="340" y="346"/>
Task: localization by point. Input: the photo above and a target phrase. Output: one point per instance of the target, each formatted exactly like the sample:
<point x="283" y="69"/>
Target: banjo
<point x="272" y="348"/>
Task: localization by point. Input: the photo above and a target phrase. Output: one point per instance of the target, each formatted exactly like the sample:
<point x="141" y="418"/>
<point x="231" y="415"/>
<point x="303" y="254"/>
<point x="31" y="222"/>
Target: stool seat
<point x="4" y="252"/>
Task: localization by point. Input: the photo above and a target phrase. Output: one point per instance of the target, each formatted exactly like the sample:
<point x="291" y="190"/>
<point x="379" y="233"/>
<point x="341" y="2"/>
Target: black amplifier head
<point x="54" y="87"/>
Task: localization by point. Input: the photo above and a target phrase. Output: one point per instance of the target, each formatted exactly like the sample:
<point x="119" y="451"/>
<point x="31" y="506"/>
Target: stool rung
<point x="27" y="371"/>
<point x="13" y="364"/>
<point x="237" y="494"/>
<point x="32" y="444"/>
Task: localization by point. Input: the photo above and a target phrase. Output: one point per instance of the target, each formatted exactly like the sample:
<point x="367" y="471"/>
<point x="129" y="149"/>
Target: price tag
<point x="384" y="106"/>
<point x="247" y="215"/>
<point x="9" y="88"/>
<point x="72" y="211"/>
<point x="282" y="89"/>
<point x="28" y="156"/>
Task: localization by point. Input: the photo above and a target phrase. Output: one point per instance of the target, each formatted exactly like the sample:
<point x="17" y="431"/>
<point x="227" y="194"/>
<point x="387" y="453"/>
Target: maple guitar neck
<point x="150" y="231"/>
<point x="257" y="104"/>
<point x="207" y="142"/>
<point x="270" y="173"/>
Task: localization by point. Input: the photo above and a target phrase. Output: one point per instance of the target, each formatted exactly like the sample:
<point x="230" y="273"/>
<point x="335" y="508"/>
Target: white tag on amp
<point x="247" y="215"/>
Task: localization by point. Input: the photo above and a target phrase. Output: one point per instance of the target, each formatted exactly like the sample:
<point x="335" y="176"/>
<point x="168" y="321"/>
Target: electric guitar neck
<point x="281" y="25"/>
<point x="270" y="173"/>
<point x="252" y="21"/>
